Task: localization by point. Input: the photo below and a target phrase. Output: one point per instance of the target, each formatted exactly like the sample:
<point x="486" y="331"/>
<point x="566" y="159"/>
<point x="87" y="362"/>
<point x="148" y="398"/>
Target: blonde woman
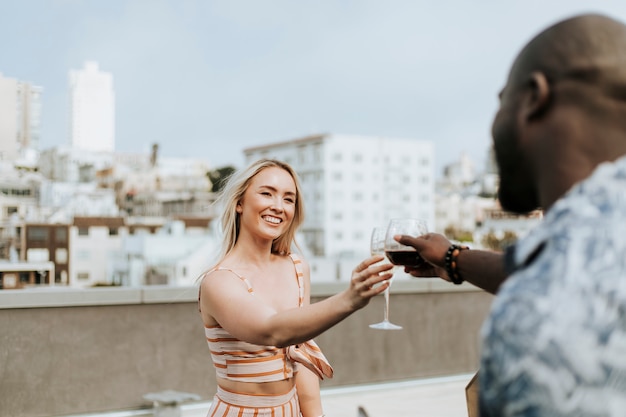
<point x="255" y="305"/>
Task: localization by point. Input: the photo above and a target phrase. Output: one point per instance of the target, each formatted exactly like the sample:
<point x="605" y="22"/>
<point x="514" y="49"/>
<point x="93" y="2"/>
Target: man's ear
<point x="537" y="100"/>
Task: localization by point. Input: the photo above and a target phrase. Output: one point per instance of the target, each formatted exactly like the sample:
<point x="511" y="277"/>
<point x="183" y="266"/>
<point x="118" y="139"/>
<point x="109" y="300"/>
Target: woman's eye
<point x="289" y="200"/>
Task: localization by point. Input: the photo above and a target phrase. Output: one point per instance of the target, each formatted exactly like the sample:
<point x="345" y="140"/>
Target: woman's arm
<point x="225" y="298"/>
<point x="308" y="383"/>
<point x="309" y="397"/>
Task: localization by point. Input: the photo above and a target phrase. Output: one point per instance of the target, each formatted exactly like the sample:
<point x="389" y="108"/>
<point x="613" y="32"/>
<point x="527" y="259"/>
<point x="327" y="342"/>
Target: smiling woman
<point x="255" y="302"/>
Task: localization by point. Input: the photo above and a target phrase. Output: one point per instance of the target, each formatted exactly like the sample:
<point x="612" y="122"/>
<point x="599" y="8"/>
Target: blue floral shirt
<point x="554" y="343"/>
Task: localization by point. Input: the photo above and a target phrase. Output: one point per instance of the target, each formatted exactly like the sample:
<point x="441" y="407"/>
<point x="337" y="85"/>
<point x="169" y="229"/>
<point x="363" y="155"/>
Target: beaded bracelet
<point x="451" y="263"/>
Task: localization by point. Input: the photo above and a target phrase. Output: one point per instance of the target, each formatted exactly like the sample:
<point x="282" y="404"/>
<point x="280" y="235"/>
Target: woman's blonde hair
<point x="231" y="195"/>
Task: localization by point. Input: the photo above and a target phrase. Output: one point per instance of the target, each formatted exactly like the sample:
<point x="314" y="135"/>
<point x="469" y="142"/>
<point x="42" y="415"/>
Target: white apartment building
<point x="92" y="109"/>
<point x="62" y="201"/>
<point x="354" y="183"/>
<point x="460" y="173"/>
<point x="20" y="117"/>
<point x="66" y="164"/>
<point x="139" y="251"/>
<point x="92" y="243"/>
<point x="499" y="222"/>
<point x="177" y="254"/>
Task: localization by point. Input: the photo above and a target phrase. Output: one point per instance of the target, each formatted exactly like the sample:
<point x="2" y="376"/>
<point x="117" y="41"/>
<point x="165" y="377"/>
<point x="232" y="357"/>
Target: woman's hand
<point x="364" y="279"/>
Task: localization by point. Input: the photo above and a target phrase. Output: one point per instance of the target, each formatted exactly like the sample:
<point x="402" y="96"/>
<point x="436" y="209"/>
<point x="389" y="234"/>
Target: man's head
<point x="562" y="111"/>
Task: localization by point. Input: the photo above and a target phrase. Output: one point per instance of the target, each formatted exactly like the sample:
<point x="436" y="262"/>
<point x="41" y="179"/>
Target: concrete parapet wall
<point x="78" y="351"/>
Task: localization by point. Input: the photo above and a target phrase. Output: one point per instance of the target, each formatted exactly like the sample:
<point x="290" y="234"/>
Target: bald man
<point x="554" y="343"/>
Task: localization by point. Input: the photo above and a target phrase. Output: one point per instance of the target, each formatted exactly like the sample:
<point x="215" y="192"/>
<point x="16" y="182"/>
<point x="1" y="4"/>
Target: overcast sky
<point x="209" y="78"/>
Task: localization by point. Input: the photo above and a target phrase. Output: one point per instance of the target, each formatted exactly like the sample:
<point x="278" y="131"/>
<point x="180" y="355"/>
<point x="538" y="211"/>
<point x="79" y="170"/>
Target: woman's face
<point x="268" y="204"/>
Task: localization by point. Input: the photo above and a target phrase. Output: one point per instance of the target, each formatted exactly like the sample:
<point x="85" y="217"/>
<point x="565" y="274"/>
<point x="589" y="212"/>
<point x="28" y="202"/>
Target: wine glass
<point x="400" y="255"/>
<point x="377" y="247"/>
<point x="397" y="253"/>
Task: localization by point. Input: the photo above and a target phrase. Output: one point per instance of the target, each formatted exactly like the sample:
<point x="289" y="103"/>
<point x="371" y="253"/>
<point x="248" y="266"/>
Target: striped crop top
<point x="241" y="361"/>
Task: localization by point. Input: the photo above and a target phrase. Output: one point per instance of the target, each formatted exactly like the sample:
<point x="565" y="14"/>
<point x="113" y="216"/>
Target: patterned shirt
<point x="554" y="343"/>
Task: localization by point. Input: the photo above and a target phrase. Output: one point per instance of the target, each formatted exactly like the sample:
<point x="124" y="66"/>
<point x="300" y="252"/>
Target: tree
<point x="219" y="176"/>
<point x="453" y="233"/>
<point x="491" y="241"/>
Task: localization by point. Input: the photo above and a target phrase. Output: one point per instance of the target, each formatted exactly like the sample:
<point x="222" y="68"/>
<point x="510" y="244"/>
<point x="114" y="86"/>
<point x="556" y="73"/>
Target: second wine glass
<point x="397" y="253"/>
<point x="377" y="247"/>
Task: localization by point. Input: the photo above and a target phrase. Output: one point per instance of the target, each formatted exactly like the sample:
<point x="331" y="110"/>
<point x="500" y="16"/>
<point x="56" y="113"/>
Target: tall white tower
<point x="92" y="109"/>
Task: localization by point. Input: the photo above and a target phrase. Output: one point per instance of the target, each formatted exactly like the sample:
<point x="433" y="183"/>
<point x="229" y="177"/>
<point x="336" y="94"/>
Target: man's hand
<point x="432" y="247"/>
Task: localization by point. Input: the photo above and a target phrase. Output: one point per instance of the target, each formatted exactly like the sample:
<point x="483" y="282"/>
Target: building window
<point x="60" y="255"/>
<point x="82" y="255"/>
<point x="37" y="234"/>
<point x="37" y="255"/>
<point x="82" y="276"/>
<point x="301" y="154"/>
<point x="60" y="234"/>
<point x="83" y="231"/>
<point x="316" y="153"/>
<point x="113" y="231"/>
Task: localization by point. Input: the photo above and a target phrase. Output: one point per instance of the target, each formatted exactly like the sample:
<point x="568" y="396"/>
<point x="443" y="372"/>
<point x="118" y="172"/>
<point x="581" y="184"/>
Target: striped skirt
<point x="232" y="404"/>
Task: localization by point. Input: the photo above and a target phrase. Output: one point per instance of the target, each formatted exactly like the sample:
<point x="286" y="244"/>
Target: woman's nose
<point x="277" y="204"/>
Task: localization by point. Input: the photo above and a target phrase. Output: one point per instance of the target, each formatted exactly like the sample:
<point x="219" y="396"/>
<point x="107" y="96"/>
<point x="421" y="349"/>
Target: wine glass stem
<point x="387" y="304"/>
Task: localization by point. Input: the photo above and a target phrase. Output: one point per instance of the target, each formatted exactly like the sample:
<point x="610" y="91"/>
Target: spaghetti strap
<point x="297" y="263"/>
<point x="241" y="277"/>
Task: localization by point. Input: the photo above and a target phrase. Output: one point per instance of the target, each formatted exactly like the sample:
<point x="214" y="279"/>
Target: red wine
<point x="405" y="257"/>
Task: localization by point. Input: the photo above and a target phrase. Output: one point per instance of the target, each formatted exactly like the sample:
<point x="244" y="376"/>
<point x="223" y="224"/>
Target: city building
<point x="461" y="172"/>
<point x="500" y="228"/>
<point x="467" y="207"/>
<point x="19" y="274"/>
<point x="353" y="183"/>
<point x="112" y="250"/>
<point x="19" y="200"/>
<point x="20" y="107"/>
<point x="92" y="109"/>
<point x="45" y="242"/>
<point x="93" y="241"/>
<point x="176" y="254"/>
<point x="68" y="164"/>
<point x="458" y="213"/>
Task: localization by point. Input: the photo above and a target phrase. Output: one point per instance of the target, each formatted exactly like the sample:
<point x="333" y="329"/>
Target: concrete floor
<point x="434" y="397"/>
<point x="431" y="397"/>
